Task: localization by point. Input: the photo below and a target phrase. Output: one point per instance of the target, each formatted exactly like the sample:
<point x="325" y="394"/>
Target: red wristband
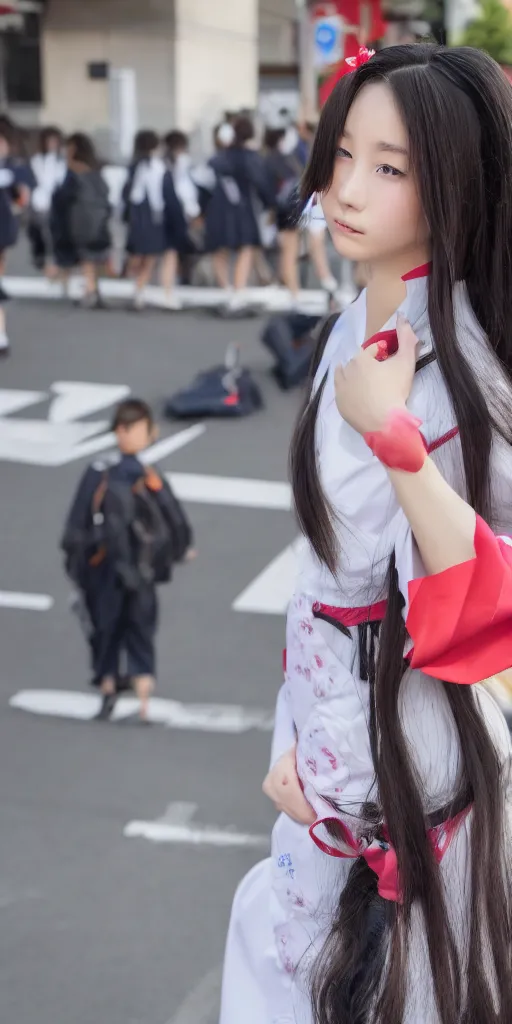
<point x="399" y="444"/>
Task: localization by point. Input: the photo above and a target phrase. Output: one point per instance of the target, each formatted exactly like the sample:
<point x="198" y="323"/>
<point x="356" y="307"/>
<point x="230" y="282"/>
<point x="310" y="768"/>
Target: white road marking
<point x="12" y="399"/>
<point x="201" y="1006"/>
<point x="175" y="826"/>
<point x="270" y="593"/>
<point x="235" y="491"/>
<point x="161" y="449"/>
<point x="30" y="602"/>
<point x="75" y="399"/>
<point x="222" y="718"/>
<point x="40" y="443"/>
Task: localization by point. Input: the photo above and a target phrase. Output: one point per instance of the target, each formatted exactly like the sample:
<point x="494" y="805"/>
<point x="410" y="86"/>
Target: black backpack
<point x="89" y="213"/>
<point x="131" y="529"/>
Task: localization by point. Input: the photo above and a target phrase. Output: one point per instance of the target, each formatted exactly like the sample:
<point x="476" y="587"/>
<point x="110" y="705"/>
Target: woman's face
<point x="53" y="144"/>
<point x="372" y="207"/>
<point x="4" y="148"/>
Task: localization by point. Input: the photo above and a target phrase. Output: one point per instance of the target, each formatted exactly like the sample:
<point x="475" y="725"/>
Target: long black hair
<point x="81" y="150"/>
<point x="145" y="144"/>
<point x="456" y="105"/>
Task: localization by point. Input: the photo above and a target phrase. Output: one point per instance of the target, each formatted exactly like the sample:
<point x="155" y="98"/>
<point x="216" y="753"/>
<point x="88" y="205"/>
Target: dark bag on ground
<point x="228" y="391"/>
<point x="291" y="339"/>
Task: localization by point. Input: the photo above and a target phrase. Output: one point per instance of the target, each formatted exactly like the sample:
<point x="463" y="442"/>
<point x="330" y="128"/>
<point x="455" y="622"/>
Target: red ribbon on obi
<point x="380" y="855"/>
<point x="352" y="616"/>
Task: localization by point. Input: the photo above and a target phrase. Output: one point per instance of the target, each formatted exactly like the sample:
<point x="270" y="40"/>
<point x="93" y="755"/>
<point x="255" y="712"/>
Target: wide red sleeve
<point x="460" y="620"/>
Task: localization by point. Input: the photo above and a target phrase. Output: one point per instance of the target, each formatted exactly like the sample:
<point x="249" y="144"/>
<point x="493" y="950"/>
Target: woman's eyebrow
<point x="390" y="147"/>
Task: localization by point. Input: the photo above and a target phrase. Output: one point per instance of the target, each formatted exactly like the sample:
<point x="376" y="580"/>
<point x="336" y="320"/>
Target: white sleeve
<point x="284" y="735"/>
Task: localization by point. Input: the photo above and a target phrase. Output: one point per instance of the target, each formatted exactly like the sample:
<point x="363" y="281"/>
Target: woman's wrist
<point x="397" y="442"/>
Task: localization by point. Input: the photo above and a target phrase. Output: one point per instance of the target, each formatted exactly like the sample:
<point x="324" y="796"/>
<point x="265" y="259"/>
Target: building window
<point x="22" y="54"/>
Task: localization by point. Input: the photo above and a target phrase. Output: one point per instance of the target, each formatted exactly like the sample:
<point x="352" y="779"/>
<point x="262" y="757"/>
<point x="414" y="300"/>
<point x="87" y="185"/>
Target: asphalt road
<point x="94" y="926"/>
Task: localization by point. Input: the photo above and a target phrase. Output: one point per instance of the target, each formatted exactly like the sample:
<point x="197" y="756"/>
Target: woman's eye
<point x="390" y="172"/>
<point x="343" y="152"/>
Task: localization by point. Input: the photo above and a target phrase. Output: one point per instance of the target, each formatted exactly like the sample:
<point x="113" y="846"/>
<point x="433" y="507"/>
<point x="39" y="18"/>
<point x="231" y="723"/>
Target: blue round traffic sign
<point x="325" y="37"/>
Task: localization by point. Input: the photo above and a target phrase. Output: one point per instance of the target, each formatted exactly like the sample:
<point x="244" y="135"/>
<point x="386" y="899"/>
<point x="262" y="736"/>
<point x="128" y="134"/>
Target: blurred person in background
<point x="180" y="163"/>
<point x="79" y="218"/>
<point x="156" y="223"/>
<point x="306" y="136"/>
<point x="231" y="221"/>
<point x="49" y="170"/>
<point x="284" y="171"/>
<point x="16" y="182"/>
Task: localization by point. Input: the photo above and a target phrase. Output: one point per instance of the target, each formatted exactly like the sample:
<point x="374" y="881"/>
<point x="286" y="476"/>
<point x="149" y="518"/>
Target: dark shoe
<point x="4" y="296"/>
<point x="91" y="300"/>
<point x="107" y="707"/>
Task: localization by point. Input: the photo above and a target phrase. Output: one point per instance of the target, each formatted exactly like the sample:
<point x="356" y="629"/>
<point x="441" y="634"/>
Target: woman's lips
<point x="346" y="229"/>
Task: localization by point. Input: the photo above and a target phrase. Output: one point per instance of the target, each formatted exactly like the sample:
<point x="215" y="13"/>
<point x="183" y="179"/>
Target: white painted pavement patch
<point x="75" y="399"/>
<point x="176" y="826"/>
<point x="29" y="602"/>
<point x="270" y="593"/>
<point x="222" y="718"/>
<point x="234" y="491"/>
<point x="60" y="438"/>
<point x="168" y="445"/>
<point x="202" y="1003"/>
<point x="13" y="399"/>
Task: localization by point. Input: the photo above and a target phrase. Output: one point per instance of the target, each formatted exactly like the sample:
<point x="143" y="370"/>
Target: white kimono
<point x="283" y="909"/>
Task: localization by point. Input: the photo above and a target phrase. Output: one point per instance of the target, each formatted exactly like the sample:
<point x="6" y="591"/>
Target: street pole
<point x="3" y="73"/>
<point x="308" y="97"/>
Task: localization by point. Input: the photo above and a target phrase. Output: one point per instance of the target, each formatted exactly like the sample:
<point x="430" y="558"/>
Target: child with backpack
<point x="80" y="215"/>
<point x="124" y="532"/>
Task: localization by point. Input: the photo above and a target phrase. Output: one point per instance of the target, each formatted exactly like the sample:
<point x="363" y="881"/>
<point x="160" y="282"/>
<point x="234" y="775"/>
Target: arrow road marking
<point x="12" y="400"/>
<point x="75" y="399"/>
<point x="222" y="718"/>
<point x="175" y="826"/>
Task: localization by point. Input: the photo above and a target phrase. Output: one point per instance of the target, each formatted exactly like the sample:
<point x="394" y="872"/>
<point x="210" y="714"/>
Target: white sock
<point x="4" y="340"/>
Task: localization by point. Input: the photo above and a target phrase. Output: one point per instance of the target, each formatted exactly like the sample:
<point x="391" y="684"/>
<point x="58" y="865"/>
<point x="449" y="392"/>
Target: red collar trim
<point x="424" y="271"/>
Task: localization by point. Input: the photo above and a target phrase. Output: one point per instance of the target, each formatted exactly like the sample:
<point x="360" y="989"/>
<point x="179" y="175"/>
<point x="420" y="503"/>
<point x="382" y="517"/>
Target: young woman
<point x="16" y="182"/>
<point x="156" y="224"/>
<point x="387" y="898"/>
<point x="231" y="221"/>
<point x="79" y="218"/>
<point x="185" y="225"/>
<point x="49" y="170"/>
<point x="284" y="171"/>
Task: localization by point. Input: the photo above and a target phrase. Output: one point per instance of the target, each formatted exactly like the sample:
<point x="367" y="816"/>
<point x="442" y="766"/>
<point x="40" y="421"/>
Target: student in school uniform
<point x="80" y="218"/>
<point x="16" y="182"/>
<point x="156" y="225"/>
<point x="49" y="169"/>
<point x="231" y="219"/>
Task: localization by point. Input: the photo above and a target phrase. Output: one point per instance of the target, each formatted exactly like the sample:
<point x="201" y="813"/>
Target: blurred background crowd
<point x="165" y="143"/>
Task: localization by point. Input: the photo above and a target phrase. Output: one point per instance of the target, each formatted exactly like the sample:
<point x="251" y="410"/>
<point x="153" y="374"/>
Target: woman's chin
<point x="351" y="247"/>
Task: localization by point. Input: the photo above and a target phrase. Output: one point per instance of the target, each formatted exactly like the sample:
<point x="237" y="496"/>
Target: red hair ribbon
<point x="363" y="57"/>
<point x="380" y="854"/>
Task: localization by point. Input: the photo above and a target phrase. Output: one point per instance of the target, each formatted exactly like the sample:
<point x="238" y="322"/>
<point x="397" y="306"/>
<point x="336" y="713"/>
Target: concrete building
<point x="183" y="61"/>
